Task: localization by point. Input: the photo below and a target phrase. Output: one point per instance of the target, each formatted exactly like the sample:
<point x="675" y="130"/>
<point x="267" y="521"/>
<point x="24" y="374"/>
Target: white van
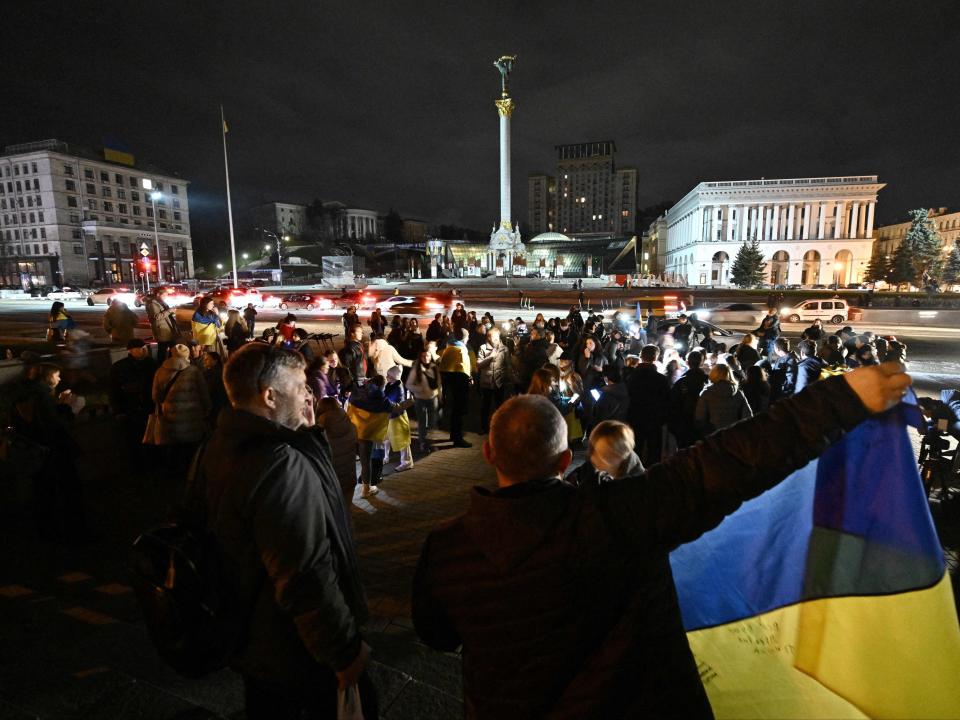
<point x="834" y="310"/>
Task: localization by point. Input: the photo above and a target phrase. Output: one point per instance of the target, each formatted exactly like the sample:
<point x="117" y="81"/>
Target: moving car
<point x="834" y="310"/>
<point x="105" y="296"/>
<point x="304" y="301"/>
<point x="744" y="313"/>
<point x="386" y="306"/>
<point x="418" y="306"/>
<point x="362" y="299"/>
<point x="176" y="294"/>
<point x="231" y="297"/>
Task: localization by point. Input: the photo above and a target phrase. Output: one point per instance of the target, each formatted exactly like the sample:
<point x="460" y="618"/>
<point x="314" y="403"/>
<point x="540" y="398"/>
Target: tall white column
<point x="761" y="224"/>
<point x="862" y="225"/>
<point x="744" y="222"/>
<point x="838" y="222"/>
<point x="869" y="229"/>
<point x="504" y="169"/>
<point x="791" y="220"/>
<point x="776" y="223"/>
<point x="807" y="212"/>
<point x="821" y="225"/>
<point x="698" y="225"/>
<point x="854" y="210"/>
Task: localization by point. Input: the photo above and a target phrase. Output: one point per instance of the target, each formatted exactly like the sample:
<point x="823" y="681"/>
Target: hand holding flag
<point x="879" y="387"/>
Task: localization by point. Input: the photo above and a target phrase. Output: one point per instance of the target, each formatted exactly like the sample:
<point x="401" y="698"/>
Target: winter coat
<point x="455" y="359"/>
<point x="384" y="356"/>
<point x="613" y="404"/>
<point x="119" y="321"/>
<point x="131" y="387"/>
<point x="342" y="437"/>
<point x="418" y="382"/>
<point x="494" y="366"/>
<point x="649" y="398"/>
<point x="808" y="372"/>
<point x="277" y="510"/>
<point x="186" y="401"/>
<point x="563" y="598"/>
<point x="684" y="396"/>
<point x="721" y="405"/>
<point x="163" y="320"/>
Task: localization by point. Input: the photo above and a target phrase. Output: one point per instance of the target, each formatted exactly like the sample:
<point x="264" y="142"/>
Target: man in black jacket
<point x="276" y="509"/>
<point x="563" y="598"/>
<point x="649" y="404"/>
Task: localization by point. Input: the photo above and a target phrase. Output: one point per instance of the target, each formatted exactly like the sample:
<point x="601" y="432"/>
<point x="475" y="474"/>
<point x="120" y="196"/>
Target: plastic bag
<point x="348" y="704"/>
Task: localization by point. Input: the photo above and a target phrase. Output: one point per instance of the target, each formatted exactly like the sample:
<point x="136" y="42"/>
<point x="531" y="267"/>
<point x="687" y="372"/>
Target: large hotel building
<point x="73" y="217"/>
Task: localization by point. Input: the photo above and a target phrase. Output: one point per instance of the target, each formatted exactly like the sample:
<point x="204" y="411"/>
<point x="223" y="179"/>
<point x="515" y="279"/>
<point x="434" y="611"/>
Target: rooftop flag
<point x="828" y="595"/>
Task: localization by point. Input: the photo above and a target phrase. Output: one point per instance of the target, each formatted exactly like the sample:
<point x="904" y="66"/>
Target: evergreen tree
<point x="878" y="268"/>
<point x="748" y="266"/>
<point x="951" y="270"/>
<point x="926" y="247"/>
<point x="901" y="267"/>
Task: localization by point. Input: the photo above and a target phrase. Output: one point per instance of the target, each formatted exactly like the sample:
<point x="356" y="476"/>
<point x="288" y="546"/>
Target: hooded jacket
<point x="275" y="506"/>
<point x="383" y="356"/>
<point x="721" y="405"/>
<point x="563" y="598"/>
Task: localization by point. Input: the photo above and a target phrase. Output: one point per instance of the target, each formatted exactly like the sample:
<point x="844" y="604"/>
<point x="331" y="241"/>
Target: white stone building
<point x="72" y="217"/>
<point x="811" y="230"/>
<point x="281" y="218"/>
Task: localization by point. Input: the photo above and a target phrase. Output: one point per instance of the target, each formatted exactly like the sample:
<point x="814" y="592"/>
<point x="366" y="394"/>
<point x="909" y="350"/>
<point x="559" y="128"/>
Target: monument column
<point x="505" y="107"/>
<point x="505" y="239"/>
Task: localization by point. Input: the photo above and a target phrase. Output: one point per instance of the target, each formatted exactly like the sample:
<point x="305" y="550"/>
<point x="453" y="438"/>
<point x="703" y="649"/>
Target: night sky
<point x="386" y="104"/>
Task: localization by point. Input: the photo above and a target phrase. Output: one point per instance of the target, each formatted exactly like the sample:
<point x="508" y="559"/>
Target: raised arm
<point x="680" y="499"/>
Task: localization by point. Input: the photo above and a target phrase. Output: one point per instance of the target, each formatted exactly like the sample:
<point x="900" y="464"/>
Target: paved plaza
<point x="73" y="641"/>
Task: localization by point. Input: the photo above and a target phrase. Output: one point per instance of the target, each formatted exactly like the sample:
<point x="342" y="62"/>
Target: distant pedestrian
<point x="236" y="330"/>
<point x="163" y="322"/>
<point x="59" y="323"/>
<point x="131" y="388"/>
<point x="250" y="317"/>
<point x="182" y="406"/>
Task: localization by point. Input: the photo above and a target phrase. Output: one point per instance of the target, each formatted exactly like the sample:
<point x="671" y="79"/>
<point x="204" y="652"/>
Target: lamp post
<point x="838" y="268"/>
<point x="154" y="196"/>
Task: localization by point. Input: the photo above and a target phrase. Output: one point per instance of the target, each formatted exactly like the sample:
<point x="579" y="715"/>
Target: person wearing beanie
<point x="398" y="429"/>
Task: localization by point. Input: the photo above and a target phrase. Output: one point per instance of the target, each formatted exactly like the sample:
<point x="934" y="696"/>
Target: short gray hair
<point x="257" y="366"/>
<point x="527" y="437"/>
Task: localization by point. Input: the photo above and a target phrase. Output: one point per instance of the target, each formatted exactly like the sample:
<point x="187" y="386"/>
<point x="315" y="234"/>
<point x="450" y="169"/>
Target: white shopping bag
<point x="348" y="704"/>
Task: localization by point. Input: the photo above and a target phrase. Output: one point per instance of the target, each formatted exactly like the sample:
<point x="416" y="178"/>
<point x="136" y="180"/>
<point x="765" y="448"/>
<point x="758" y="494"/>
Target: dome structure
<point x="550" y="237"/>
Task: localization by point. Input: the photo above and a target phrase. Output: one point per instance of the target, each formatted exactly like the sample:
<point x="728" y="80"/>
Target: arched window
<point x="810" y="275"/>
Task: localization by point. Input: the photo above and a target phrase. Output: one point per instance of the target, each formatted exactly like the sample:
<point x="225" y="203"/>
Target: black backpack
<point x="194" y="617"/>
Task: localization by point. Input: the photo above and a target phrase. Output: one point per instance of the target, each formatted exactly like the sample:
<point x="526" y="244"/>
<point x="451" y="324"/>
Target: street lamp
<point x="245" y="256"/>
<point x="279" y="256"/>
<point x="838" y="268"/>
<point x="154" y="196"/>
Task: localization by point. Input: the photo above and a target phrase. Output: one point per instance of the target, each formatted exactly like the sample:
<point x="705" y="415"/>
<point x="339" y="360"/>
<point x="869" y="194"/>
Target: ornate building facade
<point x="947" y="224"/>
<point x="811" y="230"/>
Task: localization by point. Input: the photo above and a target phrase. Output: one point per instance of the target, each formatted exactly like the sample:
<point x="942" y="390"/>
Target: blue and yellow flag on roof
<point x="827" y="596"/>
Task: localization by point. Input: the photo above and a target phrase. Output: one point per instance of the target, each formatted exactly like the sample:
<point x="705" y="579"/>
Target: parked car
<point x="835" y="310"/>
<point x="105" y="296"/>
<point x="304" y="301"/>
<point x="743" y="313"/>
<point x="67" y="293"/>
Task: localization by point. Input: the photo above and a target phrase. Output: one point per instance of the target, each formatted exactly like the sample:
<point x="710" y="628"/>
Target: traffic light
<point x="146" y="265"/>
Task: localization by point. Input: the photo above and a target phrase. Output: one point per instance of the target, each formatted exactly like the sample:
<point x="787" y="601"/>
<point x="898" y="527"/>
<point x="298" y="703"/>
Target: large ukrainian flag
<point x="828" y="596"/>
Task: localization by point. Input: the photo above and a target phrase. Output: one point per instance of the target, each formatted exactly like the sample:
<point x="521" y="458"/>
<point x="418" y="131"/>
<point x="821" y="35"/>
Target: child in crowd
<point x="610" y="456"/>
<point x="398" y="429"/>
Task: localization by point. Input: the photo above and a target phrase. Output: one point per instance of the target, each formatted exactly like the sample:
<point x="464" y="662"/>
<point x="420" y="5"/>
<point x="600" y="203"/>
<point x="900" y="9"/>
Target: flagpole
<point x="226" y="173"/>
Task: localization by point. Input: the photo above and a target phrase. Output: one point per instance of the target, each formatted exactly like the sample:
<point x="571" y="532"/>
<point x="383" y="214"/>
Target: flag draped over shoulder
<point x="828" y="595"/>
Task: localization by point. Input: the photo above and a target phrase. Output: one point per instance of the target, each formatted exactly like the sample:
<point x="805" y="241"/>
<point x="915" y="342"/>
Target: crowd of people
<point x="551" y="582"/>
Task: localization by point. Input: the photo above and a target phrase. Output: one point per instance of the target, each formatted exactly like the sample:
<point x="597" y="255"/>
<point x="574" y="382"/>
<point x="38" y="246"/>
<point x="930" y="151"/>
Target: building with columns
<point x="947" y="224"/>
<point x="72" y="216"/>
<point x="811" y="230"/>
